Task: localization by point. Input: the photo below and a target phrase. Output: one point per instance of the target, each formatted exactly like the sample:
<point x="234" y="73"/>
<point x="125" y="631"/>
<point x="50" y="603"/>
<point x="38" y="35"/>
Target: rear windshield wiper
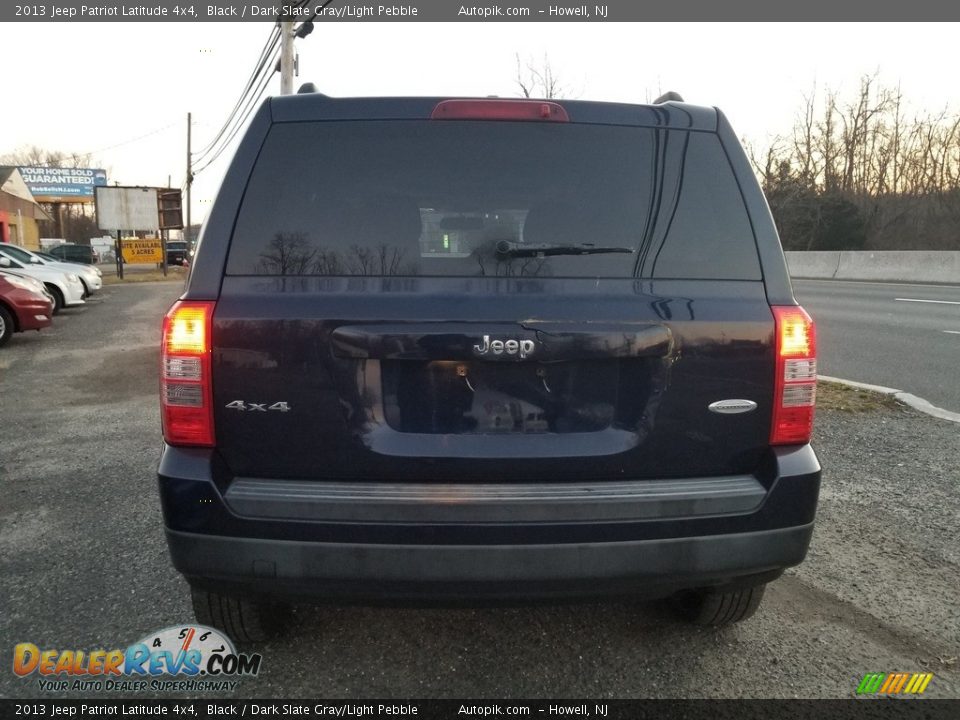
<point x="509" y="248"/>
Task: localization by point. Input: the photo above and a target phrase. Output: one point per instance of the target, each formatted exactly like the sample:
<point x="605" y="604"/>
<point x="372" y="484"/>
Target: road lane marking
<point x="837" y="281"/>
<point x="938" y="302"/>
<point x="953" y="332"/>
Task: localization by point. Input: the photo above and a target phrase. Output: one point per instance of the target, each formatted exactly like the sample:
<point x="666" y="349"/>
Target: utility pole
<point x="189" y="176"/>
<point x="164" y="237"/>
<point x="287" y="57"/>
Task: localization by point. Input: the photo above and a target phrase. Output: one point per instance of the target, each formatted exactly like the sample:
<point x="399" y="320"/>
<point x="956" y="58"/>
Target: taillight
<point x="796" y="380"/>
<point x="186" y="397"/>
<point x="499" y="110"/>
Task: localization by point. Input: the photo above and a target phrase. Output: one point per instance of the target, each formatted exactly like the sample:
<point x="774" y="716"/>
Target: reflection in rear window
<point x="436" y="198"/>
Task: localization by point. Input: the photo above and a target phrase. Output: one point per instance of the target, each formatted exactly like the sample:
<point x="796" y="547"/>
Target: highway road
<point x="901" y="336"/>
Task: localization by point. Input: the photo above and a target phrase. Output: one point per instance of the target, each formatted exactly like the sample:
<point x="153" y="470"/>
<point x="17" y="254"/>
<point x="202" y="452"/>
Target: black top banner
<point x="501" y="11"/>
<point x="485" y="709"/>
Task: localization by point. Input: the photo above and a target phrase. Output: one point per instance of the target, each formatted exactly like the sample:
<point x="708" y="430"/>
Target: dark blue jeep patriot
<point x="464" y="350"/>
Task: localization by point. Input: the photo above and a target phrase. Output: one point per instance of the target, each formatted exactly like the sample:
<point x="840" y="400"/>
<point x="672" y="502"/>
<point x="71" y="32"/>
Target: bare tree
<point x="288" y="254"/>
<point x="35" y="156"/>
<point x="864" y="171"/>
<point x="538" y="79"/>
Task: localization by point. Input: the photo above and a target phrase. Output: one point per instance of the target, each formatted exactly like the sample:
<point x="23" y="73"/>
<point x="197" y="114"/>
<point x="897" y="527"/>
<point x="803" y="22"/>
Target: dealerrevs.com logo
<point x="181" y="658"/>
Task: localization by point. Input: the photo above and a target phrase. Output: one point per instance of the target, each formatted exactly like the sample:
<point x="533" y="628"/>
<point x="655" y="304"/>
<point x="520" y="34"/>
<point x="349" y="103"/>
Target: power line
<point x="247" y="110"/>
<point x="263" y="63"/>
<point x="268" y="48"/>
<point x="259" y="79"/>
<point x="265" y="52"/>
<point x="127" y="142"/>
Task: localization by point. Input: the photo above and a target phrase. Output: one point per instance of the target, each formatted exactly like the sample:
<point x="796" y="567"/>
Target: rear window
<point x="437" y="197"/>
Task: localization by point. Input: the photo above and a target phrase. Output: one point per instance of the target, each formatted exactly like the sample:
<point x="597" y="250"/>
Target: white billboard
<point x="127" y="208"/>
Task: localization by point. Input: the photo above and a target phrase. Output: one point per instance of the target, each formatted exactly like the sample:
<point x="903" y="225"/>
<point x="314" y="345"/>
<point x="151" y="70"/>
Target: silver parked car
<point x="64" y="285"/>
<point x="90" y="275"/>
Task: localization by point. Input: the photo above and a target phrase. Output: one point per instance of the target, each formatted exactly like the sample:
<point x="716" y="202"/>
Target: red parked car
<point x="23" y="306"/>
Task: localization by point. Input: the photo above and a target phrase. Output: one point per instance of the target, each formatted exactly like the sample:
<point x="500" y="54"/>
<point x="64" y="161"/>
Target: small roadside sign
<point x="142" y="250"/>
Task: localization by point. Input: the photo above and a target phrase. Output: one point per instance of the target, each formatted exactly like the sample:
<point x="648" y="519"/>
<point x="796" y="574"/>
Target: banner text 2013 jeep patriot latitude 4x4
<point x="469" y="349"/>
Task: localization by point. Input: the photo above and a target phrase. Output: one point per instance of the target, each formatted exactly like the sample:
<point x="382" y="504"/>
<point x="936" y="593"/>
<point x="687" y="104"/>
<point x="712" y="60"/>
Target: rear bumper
<point x="231" y="537"/>
<point x="364" y="572"/>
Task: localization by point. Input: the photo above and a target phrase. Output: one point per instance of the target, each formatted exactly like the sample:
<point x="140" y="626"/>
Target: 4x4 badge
<point x="258" y="407"/>
<point x="732" y="407"/>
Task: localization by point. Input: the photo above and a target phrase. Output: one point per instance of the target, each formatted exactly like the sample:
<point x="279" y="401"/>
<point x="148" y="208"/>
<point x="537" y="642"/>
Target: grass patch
<point x="834" y="396"/>
<point x="152" y="274"/>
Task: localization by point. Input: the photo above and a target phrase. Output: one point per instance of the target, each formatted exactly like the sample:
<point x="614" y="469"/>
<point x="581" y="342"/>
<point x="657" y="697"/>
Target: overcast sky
<point x="96" y="87"/>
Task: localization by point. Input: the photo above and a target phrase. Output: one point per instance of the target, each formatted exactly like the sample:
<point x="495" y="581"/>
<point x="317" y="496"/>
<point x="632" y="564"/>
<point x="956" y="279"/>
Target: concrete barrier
<point x="813" y="264"/>
<point x="889" y="266"/>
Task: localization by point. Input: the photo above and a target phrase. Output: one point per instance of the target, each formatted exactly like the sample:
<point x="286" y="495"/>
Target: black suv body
<point x="464" y="349"/>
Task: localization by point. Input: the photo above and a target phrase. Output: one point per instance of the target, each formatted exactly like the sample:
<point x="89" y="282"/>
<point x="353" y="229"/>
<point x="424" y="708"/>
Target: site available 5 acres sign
<point x="142" y="250"/>
<point x="62" y="184"/>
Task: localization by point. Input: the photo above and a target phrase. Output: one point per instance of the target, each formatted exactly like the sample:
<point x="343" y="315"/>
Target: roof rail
<point x="668" y="96"/>
<point x="309" y="87"/>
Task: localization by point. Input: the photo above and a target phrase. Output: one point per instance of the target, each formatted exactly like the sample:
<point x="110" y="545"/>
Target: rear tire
<point x="6" y="325"/>
<point x="244" y="621"/>
<point x="718" y="608"/>
<point x="57" y="298"/>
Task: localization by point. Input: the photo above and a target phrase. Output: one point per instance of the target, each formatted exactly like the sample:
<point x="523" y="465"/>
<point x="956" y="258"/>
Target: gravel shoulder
<point x="83" y="562"/>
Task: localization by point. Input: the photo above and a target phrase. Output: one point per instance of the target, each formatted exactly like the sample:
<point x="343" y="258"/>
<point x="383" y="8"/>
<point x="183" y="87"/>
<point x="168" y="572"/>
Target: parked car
<point x="90" y="275"/>
<point x="23" y="306"/>
<point x="178" y="252"/>
<point x="64" y="286"/>
<point x="71" y="252"/>
<point x="562" y="357"/>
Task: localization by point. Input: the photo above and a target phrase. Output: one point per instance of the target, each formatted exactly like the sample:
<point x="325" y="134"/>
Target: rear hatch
<point x="470" y="300"/>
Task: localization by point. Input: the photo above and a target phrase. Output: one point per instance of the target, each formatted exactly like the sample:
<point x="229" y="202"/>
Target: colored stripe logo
<point x="894" y="683"/>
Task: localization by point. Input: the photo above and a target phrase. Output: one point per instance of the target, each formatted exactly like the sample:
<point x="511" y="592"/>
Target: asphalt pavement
<point x="901" y="336"/>
<point x="83" y="562"/>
